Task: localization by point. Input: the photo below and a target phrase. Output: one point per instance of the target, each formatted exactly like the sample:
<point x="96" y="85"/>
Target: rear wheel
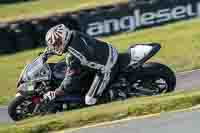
<point x="154" y="79"/>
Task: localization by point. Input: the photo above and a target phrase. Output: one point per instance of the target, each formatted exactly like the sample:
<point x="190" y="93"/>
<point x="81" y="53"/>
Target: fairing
<point x="37" y="70"/>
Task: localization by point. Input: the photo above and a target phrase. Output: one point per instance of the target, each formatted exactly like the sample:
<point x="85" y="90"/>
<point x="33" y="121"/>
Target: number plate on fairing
<point x="30" y="87"/>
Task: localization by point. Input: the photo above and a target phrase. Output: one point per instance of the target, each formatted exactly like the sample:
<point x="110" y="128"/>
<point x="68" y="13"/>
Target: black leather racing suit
<point x="95" y="54"/>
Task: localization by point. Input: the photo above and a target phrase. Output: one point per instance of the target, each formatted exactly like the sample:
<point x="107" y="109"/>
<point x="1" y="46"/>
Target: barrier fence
<point x="100" y="21"/>
<point x="131" y="17"/>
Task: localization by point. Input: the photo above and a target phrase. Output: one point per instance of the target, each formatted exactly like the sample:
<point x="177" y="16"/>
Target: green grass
<point x="180" y="50"/>
<point x="107" y="112"/>
<point x="38" y="8"/>
<point x="180" y="43"/>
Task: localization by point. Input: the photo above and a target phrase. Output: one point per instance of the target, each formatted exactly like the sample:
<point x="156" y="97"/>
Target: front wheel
<point x="155" y="78"/>
<point x="20" y="108"/>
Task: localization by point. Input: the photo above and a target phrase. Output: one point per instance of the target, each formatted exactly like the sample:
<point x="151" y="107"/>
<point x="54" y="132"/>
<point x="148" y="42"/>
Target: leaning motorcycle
<point x="136" y="77"/>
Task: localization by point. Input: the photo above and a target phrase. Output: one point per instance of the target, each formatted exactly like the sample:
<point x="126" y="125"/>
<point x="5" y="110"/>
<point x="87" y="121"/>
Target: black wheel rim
<point x="160" y="85"/>
<point x="152" y="86"/>
<point x="23" y="110"/>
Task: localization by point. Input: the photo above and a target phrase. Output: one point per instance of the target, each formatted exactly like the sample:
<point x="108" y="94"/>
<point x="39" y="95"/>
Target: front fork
<point x="35" y="101"/>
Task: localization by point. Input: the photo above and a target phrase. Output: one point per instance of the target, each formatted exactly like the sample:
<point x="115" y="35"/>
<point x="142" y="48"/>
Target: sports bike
<point x="136" y="77"/>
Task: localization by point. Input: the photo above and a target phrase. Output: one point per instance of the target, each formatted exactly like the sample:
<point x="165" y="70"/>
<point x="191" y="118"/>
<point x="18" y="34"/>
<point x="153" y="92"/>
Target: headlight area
<point x="26" y="88"/>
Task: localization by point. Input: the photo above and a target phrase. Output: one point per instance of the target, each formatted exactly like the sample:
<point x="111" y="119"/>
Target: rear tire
<point x="156" y="71"/>
<point x="164" y="72"/>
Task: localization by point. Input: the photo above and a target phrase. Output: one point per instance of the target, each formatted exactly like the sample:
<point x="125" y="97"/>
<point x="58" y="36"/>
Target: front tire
<point x="18" y="108"/>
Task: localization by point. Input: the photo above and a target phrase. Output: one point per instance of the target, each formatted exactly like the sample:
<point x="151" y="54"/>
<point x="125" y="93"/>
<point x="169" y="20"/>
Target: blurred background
<point x="24" y="23"/>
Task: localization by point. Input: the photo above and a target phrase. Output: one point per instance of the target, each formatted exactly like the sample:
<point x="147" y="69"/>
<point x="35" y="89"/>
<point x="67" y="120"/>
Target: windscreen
<point x="37" y="70"/>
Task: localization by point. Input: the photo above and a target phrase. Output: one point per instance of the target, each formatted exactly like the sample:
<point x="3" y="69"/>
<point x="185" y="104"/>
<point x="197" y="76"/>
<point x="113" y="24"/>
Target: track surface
<point x="185" y="81"/>
<point x="182" y="122"/>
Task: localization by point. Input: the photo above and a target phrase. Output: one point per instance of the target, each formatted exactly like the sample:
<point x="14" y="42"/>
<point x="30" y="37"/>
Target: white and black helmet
<point x="57" y="38"/>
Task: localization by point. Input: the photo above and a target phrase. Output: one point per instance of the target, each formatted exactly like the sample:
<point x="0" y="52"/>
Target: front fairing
<point x="26" y="88"/>
<point x="37" y="70"/>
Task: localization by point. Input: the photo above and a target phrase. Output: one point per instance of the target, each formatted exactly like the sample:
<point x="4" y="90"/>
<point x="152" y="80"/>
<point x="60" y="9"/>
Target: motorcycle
<point x="136" y="77"/>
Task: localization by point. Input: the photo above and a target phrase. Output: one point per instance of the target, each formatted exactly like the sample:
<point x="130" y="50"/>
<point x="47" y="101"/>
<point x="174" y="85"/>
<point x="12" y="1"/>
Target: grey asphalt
<point x="182" y="122"/>
<point x="4" y="118"/>
<point x="189" y="80"/>
<point x="185" y="81"/>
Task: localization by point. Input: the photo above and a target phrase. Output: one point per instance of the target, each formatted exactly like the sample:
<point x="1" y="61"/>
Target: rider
<point x="82" y="50"/>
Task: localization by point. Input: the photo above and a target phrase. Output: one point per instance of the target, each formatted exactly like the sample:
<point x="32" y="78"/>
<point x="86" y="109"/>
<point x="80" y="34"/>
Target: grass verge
<point x="180" y="51"/>
<point x="38" y="8"/>
<point x="107" y="112"/>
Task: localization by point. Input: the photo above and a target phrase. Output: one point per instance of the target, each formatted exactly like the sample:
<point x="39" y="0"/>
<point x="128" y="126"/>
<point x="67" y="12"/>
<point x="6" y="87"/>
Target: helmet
<point x="57" y="38"/>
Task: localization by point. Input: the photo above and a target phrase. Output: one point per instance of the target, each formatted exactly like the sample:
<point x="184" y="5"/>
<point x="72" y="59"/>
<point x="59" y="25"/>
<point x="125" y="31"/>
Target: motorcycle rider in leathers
<point x="82" y="50"/>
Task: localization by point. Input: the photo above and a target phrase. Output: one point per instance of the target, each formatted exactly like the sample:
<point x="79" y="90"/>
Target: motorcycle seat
<point x="123" y="60"/>
<point x="137" y="54"/>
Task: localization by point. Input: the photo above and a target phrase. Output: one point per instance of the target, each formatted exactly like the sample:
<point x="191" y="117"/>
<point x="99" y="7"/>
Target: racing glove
<point x="49" y="96"/>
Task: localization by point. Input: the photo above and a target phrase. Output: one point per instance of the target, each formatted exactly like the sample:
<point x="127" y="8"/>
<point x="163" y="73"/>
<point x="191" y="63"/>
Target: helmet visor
<point x="56" y="47"/>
